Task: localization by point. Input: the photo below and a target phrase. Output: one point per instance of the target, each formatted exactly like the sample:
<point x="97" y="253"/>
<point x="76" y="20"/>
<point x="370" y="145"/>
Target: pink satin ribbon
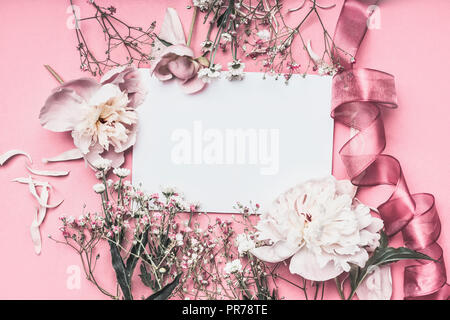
<point x="358" y="95"/>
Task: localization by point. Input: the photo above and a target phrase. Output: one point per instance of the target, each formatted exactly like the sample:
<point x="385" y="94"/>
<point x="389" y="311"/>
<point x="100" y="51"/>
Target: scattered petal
<point x="48" y="173"/>
<point x="73" y="154"/>
<point x="314" y="56"/>
<point x="33" y="191"/>
<point x="297" y="8"/>
<point x="36" y="182"/>
<point x="36" y="235"/>
<point x="11" y="153"/>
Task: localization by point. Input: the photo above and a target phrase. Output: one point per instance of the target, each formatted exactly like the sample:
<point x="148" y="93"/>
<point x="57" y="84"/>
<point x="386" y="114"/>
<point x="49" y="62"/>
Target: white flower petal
<point x="305" y="264"/>
<point x="277" y="252"/>
<point x="377" y="285"/>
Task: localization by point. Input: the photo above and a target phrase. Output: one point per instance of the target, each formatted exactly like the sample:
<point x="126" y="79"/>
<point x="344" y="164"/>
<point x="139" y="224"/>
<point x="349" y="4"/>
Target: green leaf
<point x="146" y="277"/>
<point x="135" y="254"/>
<point x="383" y="255"/>
<point x="165" y="292"/>
<point x="121" y="273"/>
<point x="164" y="42"/>
<point x="384" y="241"/>
<point x="223" y="18"/>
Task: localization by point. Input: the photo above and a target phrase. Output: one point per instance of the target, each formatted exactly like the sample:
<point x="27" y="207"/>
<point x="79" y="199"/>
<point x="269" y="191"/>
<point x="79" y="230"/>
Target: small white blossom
<point x="206" y="46"/>
<point x="211" y="73"/>
<point x="121" y="172"/>
<point x="226" y="37"/>
<point x="102" y="164"/>
<point x="244" y="243"/>
<point x="233" y="267"/>
<point x="202" y="4"/>
<point x="99" y="187"/>
<point x="179" y="239"/>
<point x="263" y="34"/>
<point x="235" y="70"/>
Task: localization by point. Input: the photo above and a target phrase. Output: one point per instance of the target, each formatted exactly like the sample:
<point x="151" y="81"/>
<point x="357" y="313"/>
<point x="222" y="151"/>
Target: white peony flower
<point x="99" y="187"/>
<point x="121" y="172"/>
<point x="211" y="73"/>
<point x="377" y="285"/>
<point x="244" y="243"/>
<point x="233" y="267"/>
<point x="321" y="227"/>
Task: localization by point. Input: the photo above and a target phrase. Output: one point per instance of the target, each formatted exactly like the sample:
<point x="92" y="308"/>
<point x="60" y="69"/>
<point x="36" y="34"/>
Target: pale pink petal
<point x="117" y="158"/>
<point x="62" y="110"/>
<point x="277" y="252"/>
<point x="171" y="28"/>
<point x="377" y="285"/>
<point x="83" y="87"/>
<point x="112" y="74"/>
<point x="82" y="141"/>
<point x="305" y="264"/>
<point x="106" y="92"/>
<point x="131" y="139"/>
<point x="192" y="85"/>
<point x="73" y="154"/>
<point x="97" y="153"/>
<point x="182" y="68"/>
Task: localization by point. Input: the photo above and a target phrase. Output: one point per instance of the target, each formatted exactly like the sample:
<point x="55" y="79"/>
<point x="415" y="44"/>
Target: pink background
<point x="410" y="44"/>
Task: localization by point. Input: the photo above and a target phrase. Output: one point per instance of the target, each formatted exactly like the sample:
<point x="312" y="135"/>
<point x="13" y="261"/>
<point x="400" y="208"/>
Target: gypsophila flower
<point x="121" y="172"/>
<point x="211" y="73"/>
<point x="244" y="243"/>
<point x="263" y="35"/>
<point x="99" y="187"/>
<point x="233" y="267"/>
<point x="179" y="239"/>
<point x="226" y="37"/>
<point x="326" y="69"/>
<point x="202" y="4"/>
<point x="235" y="70"/>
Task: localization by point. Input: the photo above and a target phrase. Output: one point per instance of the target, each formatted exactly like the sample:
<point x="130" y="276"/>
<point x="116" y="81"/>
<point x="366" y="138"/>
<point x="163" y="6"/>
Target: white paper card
<point x="234" y="141"/>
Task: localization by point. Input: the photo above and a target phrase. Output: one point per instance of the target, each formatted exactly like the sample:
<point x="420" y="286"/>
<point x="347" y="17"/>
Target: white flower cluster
<point x="234" y="266"/>
<point x="235" y="70"/>
<point x="244" y="243"/>
<point x="99" y="188"/>
<point x="211" y="73"/>
<point x="121" y="172"/>
<point x="102" y="164"/>
<point x="202" y="4"/>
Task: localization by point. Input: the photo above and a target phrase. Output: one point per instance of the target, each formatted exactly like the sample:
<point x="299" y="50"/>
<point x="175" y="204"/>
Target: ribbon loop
<point x="358" y="95"/>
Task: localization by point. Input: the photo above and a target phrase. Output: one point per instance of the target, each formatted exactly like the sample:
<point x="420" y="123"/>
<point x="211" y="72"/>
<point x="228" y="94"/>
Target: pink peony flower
<point x="173" y="58"/>
<point x="100" y="116"/>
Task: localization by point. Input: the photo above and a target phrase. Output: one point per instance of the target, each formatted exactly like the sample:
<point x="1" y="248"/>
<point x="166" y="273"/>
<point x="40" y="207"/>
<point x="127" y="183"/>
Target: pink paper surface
<point x="410" y="44"/>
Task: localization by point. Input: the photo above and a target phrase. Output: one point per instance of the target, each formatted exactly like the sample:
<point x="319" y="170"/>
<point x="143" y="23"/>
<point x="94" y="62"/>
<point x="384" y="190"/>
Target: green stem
<point x="191" y="29"/>
<point x="54" y="74"/>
